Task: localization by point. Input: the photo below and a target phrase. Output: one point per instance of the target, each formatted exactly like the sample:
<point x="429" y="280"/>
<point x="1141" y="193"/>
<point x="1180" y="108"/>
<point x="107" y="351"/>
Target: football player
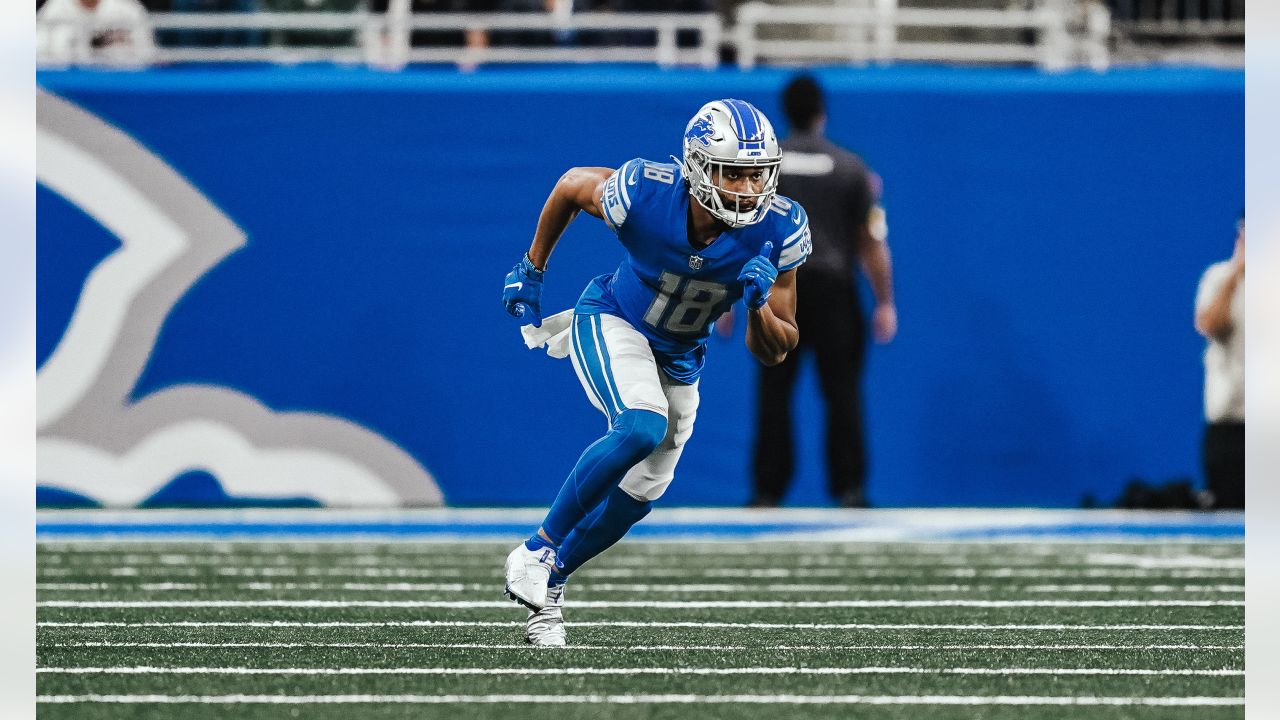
<point x="699" y="235"/>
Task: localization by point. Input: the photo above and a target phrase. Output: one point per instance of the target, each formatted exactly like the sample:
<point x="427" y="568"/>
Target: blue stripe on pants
<point x="598" y="326"/>
<point x="591" y="350"/>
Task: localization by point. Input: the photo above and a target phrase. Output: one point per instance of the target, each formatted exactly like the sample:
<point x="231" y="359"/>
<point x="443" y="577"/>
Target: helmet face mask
<point x="727" y="136"/>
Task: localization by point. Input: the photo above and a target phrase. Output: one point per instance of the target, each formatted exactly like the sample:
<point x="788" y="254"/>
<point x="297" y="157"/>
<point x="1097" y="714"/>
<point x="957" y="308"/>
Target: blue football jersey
<point x="667" y="289"/>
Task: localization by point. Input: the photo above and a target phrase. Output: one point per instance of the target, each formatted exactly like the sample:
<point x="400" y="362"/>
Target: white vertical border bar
<point x="17" y="360"/>
<point x="1262" y="353"/>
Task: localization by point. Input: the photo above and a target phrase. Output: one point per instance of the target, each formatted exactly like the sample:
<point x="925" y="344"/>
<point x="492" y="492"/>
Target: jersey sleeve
<point x="619" y="191"/>
<point x="798" y="241"/>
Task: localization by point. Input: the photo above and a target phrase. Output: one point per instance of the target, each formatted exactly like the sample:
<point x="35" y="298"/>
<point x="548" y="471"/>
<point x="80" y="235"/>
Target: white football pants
<point x="617" y="370"/>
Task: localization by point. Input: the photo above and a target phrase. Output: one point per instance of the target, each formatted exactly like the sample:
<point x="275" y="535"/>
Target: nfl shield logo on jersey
<point x="695" y="262"/>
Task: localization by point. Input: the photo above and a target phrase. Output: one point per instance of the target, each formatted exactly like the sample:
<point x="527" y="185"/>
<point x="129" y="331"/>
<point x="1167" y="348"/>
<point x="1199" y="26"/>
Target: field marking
<point x="1106" y="588"/>
<point x="1177" y="561"/>
<point x="756" y="573"/>
<point x="787" y="559"/>
<point x="1168" y="546"/>
<point x="740" y="546"/>
<point x="622" y="623"/>
<point x="588" y="585"/>
<point x="981" y="700"/>
<point x="525" y="646"/>
<point x="559" y="672"/>
<point x="146" y="587"/>
<point x="648" y="604"/>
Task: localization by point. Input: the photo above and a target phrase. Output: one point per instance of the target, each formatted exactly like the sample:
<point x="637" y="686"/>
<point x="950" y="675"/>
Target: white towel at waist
<point x="554" y="334"/>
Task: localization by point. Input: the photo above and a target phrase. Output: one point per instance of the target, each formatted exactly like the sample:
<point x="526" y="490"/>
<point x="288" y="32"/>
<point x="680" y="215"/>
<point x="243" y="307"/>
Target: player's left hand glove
<point x="757" y="278"/>
<point x="522" y="291"/>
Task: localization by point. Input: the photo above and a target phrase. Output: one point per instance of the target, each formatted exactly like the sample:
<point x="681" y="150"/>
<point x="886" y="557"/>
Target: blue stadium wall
<point x="1048" y="232"/>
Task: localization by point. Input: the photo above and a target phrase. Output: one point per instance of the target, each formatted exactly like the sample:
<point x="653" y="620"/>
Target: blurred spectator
<point x="1220" y="319"/>
<point x="112" y="32"/>
<point x="237" y="37"/>
<point x="840" y="194"/>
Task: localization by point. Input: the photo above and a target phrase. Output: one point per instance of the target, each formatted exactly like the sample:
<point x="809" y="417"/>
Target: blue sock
<point x="604" y="527"/>
<point x="631" y="437"/>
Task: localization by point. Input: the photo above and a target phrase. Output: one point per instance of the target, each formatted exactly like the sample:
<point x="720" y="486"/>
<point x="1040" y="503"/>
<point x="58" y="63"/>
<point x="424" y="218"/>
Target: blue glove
<point x="757" y="278"/>
<point x="522" y="291"/>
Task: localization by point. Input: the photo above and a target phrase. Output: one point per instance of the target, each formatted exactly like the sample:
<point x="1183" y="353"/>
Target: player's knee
<point x="626" y="507"/>
<point x="640" y="431"/>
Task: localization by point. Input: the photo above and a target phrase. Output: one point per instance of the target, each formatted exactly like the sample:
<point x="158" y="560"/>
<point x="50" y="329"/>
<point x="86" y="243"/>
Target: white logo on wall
<point x="91" y="440"/>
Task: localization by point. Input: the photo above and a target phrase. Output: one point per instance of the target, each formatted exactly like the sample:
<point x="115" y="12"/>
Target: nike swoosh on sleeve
<point x="516" y="285"/>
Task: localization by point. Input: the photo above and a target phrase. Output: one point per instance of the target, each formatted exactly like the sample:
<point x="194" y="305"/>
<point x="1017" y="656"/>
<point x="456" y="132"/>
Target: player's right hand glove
<point x="522" y="291"/>
<point x="757" y="278"/>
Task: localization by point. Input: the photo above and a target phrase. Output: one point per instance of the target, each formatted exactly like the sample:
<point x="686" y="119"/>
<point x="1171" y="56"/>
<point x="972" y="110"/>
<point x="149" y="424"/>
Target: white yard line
<point x="1106" y="588"/>
<point x="745" y="547"/>
<point x="789" y="560"/>
<point x="561" y="672"/>
<point x="616" y="648"/>
<point x="656" y="571"/>
<point x="590" y="586"/>
<point x="1178" y="561"/>
<point x="627" y="623"/>
<point x="481" y="546"/>
<point x="972" y="700"/>
<point x="635" y="604"/>
<point x="140" y="587"/>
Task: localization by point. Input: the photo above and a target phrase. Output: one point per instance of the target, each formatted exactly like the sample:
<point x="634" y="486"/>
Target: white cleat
<point x="527" y="574"/>
<point x="546" y="626"/>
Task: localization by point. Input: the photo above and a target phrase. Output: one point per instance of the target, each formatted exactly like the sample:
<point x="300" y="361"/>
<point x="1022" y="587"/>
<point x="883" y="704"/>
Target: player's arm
<point x="578" y="189"/>
<point x="1213" y="317"/>
<point x="877" y="263"/>
<point x="771" y="330"/>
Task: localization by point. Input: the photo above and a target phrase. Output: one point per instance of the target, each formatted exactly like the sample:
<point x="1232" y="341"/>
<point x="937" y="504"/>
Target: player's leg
<point x="839" y="346"/>
<point x="773" y="454"/>
<point x="617" y="369"/>
<point x="1223" y="452"/>
<point x="628" y="503"/>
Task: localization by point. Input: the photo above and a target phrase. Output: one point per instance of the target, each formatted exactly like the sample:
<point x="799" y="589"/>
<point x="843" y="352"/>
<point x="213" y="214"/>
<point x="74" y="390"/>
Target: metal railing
<point x="665" y="51"/>
<point x="1203" y="31"/>
<point x="1049" y="33"/>
<point x="1185" y="18"/>
<point x="384" y="39"/>
<point x="1063" y="33"/>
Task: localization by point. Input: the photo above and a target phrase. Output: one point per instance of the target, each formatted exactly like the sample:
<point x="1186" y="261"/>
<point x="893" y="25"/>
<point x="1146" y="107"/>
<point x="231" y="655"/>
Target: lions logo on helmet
<point x="700" y="129"/>
<point x="731" y="134"/>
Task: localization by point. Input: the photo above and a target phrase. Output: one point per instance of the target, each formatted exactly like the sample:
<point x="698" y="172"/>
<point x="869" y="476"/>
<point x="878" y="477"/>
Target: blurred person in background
<point x="849" y="229"/>
<point x="110" y="32"/>
<point x="1220" y="319"/>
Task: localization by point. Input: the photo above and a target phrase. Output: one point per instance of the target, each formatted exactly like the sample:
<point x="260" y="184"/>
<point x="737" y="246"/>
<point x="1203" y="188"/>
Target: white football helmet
<point x="731" y="133"/>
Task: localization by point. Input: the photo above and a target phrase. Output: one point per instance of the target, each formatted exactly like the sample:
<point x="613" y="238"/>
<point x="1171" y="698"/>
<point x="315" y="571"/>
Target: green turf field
<point x="656" y="630"/>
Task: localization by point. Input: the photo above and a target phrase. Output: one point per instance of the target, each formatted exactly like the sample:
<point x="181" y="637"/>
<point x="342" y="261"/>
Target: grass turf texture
<point x="446" y="630"/>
